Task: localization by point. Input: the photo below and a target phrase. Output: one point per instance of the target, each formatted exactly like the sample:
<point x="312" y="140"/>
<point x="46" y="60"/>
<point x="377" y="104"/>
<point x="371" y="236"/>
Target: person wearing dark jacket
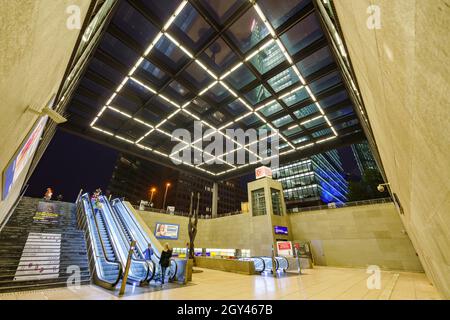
<point x="164" y="261"/>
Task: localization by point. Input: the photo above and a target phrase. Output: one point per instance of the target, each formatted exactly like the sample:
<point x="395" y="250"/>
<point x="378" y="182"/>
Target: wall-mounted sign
<point x="281" y="230"/>
<point x="22" y="157"/>
<point x="262" y="172"/>
<point x="166" y="231"/>
<point x="284" y="248"/>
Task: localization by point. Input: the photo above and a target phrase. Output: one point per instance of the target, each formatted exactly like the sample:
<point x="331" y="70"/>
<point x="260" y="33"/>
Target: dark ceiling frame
<point x="259" y="79"/>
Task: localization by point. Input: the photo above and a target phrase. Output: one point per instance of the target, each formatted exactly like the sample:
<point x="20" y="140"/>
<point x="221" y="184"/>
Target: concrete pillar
<point x="215" y="198"/>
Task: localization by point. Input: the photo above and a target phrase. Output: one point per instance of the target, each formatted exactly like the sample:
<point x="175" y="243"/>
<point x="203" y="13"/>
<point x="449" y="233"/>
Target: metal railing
<point x="185" y="214"/>
<point x="341" y="205"/>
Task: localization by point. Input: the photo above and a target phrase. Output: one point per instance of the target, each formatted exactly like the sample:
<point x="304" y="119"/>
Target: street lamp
<point x="152" y="191"/>
<point x="165" y="195"/>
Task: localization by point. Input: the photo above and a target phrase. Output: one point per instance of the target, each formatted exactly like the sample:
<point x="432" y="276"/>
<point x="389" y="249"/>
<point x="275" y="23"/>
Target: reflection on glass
<point x="258" y="203"/>
<point x="276" y="202"/>
<point x="277" y="12"/>
<point x="302" y="34"/>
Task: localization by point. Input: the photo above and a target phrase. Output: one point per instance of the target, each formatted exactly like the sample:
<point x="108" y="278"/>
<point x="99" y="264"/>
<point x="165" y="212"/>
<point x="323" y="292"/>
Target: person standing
<point x="48" y="194"/>
<point x="148" y="252"/>
<point x="164" y="261"/>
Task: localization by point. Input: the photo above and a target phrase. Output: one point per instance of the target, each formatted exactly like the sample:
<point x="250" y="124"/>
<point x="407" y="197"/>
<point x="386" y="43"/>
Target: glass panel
<point x="195" y="75"/>
<point x="236" y="107"/>
<point x="162" y="9"/>
<point x="199" y="105"/>
<point x="302" y="34"/>
<point x="298" y="96"/>
<point x="241" y="77"/>
<point x="167" y="51"/>
<point x="334" y="99"/>
<point x="219" y="57"/>
<point x="314" y="123"/>
<point x="106" y="71"/>
<point x="153" y="73"/>
<point x="276" y="202"/>
<point x="135" y="25"/>
<point x="282" y="121"/>
<point x="321" y="133"/>
<point x="271" y="109"/>
<point x="277" y="12"/>
<point x="300" y="140"/>
<point x="190" y="28"/>
<point x="248" y="31"/>
<point x="283" y="80"/>
<point x="260" y="93"/>
<point x="218" y="93"/>
<point x="221" y="10"/>
<point x="292" y="131"/>
<point x="118" y="50"/>
<point x="315" y="62"/>
<point x="268" y="58"/>
<point x="306" y="111"/>
<point x="258" y="203"/>
<point x="326" y="82"/>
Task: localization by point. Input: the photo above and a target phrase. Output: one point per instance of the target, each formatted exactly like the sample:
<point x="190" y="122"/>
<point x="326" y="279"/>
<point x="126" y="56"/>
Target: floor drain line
<point x="387" y="292"/>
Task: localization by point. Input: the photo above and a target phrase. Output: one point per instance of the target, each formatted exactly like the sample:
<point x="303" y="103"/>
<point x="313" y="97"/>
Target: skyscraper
<point x="313" y="181"/>
<point x="364" y="157"/>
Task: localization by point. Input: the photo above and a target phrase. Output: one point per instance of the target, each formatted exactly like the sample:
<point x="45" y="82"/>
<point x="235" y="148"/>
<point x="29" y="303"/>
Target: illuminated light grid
<point x="217" y="80"/>
<point x="289" y="59"/>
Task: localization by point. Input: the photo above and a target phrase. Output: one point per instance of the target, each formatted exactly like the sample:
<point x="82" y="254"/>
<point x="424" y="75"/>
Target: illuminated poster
<point x="22" y="157"/>
<point x="284" y="248"/>
<point x="46" y="213"/>
<point x="40" y="257"/>
<point x="166" y="231"/>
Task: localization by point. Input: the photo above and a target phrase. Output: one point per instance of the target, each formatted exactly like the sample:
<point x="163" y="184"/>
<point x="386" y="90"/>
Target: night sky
<point x="71" y="163"/>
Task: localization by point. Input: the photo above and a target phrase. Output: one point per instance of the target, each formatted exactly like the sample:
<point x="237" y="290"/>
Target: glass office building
<point x="313" y="181"/>
<point x="364" y="157"/>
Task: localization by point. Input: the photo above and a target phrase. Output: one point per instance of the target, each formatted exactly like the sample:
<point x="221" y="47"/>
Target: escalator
<point x="141" y="271"/>
<point x="135" y="231"/>
<point x="264" y="264"/>
<point x="103" y="260"/>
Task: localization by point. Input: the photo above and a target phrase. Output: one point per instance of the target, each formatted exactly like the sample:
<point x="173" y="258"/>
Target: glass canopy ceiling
<point x="161" y="65"/>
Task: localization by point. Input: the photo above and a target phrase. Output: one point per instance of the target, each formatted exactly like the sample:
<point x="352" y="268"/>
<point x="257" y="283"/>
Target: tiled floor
<point x="317" y="283"/>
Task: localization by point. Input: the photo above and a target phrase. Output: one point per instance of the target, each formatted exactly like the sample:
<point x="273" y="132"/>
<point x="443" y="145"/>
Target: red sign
<point x="284" y="245"/>
<point x="262" y="172"/>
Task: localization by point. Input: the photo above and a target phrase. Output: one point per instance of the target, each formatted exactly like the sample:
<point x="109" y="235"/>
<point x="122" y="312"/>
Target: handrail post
<point x="127" y="268"/>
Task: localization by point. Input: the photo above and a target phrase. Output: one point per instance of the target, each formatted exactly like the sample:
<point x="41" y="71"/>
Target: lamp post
<point x="152" y="191"/>
<point x="165" y="195"/>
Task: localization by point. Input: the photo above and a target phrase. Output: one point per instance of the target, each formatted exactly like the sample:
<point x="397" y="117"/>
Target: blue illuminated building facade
<point x="313" y="181"/>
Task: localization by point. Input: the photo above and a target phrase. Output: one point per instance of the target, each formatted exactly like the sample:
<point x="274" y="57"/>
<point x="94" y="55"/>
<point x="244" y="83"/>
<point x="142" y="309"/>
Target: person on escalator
<point x="164" y="261"/>
<point x="96" y="199"/>
<point x="148" y="252"/>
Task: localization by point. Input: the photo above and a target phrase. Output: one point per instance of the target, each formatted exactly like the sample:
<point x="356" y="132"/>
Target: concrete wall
<point x="35" y="47"/>
<point x="403" y="73"/>
<point x="350" y="237"/>
<point x="232" y="232"/>
<point x="357" y="237"/>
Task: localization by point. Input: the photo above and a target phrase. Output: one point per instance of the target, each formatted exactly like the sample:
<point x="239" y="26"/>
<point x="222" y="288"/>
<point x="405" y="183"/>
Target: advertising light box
<point x="167" y="231"/>
<point x="281" y="230"/>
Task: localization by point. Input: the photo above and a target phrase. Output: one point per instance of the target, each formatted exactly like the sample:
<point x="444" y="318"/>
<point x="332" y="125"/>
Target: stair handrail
<point x="105" y="256"/>
<point x="122" y="235"/>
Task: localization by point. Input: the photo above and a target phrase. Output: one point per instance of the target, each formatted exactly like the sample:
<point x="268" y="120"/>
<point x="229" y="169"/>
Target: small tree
<point x="192" y="225"/>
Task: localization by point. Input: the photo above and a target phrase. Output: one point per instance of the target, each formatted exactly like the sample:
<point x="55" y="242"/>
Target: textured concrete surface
<point x="350" y="237"/>
<point x="357" y="237"/>
<point x="35" y="47"/>
<point x="403" y="73"/>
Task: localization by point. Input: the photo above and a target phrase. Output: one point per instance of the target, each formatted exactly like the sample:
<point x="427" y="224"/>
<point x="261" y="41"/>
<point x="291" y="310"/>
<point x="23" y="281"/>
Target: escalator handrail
<point x="138" y="227"/>
<point x="148" y="276"/>
<point x="122" y="235"/>
<point x="144" y="236"/>
<point x="105" y="256"/>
